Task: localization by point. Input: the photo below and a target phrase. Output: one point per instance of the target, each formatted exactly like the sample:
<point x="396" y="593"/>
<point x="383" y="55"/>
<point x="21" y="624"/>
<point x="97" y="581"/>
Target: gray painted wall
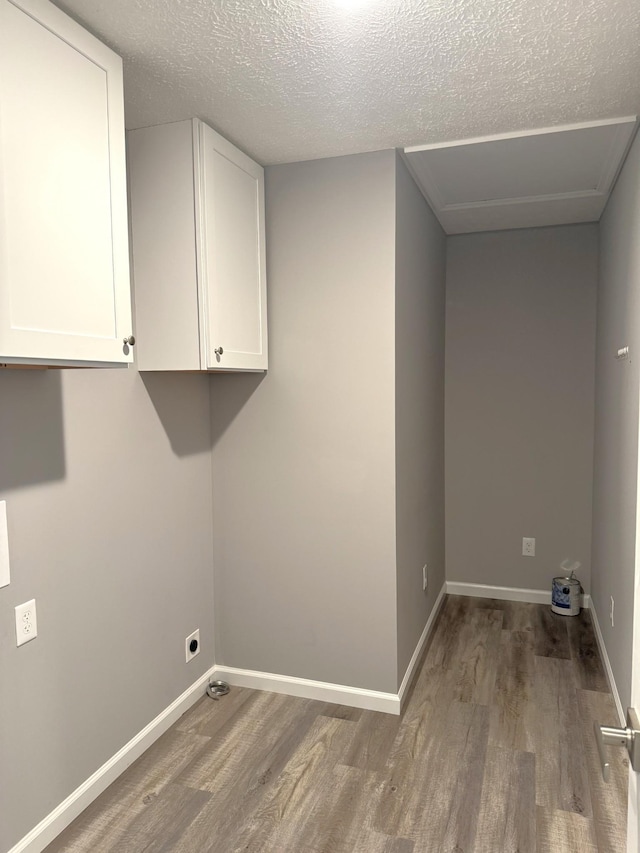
<point x="419" y="353"/>
<point x="520" y="351"/>
<point x="616" y="434"/>
<point x="303" y="458"/>
<point x="107" y="479"/>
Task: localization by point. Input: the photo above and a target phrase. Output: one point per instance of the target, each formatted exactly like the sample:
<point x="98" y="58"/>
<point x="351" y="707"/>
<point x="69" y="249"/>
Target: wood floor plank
<point x="467" y="646"/>
<point x="350" y="828"/>
<point x="516" y="615"/>
<point x="372" y="741"/>
<point x="159" y="828"/>
<point x="101" y="826"/>
<point x="394" y="845"/>
<point x="453" y="615"/>
<point x="507" y="818"/>
<point x="431" y="686"/>
<point x="463" y="805"/>
<point x="513" y="713"/>
<point x="422" y="798"/>
<point x="608" y="798"/>
<point x="208" y="716"/>
<point x="343" y="712"/>
<point x="250" y="735"/>
<point x="585" y="653"/>
<point x="551" y="634"/>
<point x="561" y="770"/>
<point x="239" y="787"/>
<point x="474" y="664"/>
<point x="565" y="832"/>
<point x="285" y="819"/>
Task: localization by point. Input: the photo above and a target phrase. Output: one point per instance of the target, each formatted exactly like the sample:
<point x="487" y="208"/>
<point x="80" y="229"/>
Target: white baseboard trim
<point x="340" y="694"/>
<point x="406" y="681"/>
<point x="503" y="593"/>
<point x="607" y="665"/>
<point x="57" y="820"/>
<point x="506" y="593"/>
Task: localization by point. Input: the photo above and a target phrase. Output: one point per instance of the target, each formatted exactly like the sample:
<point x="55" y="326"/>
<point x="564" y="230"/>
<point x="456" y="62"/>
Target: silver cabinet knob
<point x="129" y="342"/>
<point x="218" y="350"/>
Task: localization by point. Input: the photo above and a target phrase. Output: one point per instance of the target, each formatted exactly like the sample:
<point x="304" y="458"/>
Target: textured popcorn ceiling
<point x="299" y="79"/>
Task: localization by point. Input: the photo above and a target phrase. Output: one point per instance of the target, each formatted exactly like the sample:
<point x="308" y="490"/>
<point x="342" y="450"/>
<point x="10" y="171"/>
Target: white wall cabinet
<point x="65" y="294"/>
<point x="197" y="219"/>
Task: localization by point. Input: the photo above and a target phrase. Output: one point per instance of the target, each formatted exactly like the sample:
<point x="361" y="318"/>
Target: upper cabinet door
<point x="64" y="268"/>
<point x="232" y="256"/>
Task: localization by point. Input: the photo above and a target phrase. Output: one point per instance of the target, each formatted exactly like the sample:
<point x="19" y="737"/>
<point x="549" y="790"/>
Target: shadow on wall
<point x="229" y="394"/>
<point x="177" y="398"/>
<point x="31" y="428"/>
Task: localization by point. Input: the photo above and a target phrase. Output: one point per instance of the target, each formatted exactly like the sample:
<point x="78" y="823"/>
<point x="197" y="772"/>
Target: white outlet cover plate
<point x="5" y="575"/>
<point x="189" y="655"/>
<point x="528" y="546"/>
<point x="26" y="622"/>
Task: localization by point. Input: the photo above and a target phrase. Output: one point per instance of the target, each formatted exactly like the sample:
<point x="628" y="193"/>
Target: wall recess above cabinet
<point x="65" y="297"/>
<point x="197" y="224"/>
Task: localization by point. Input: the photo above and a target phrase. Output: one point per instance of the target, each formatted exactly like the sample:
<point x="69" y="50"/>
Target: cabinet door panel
<point x="63" y="277"/>
<point x="233" y="246"/>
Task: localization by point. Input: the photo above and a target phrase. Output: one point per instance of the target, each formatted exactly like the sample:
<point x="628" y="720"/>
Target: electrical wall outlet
<point x="425" y="578"/>
<point x="26" y="622"/>
<point x="528" y="546"/>
<point x="611" y="611"/>
<point x="192" y="645"/>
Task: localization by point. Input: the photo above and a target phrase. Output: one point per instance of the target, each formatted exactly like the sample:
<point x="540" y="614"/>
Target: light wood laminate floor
<point x="494" y="752"/>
